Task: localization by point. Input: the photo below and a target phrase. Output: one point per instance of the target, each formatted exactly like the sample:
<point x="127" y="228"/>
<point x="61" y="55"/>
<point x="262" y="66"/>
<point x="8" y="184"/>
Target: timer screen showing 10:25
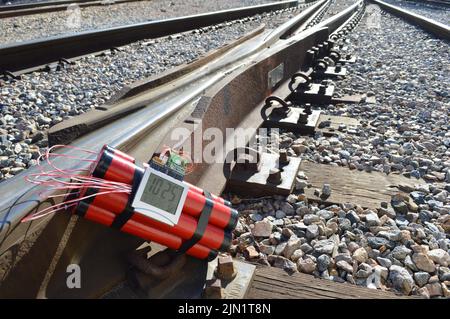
<point x="162" y="194"/>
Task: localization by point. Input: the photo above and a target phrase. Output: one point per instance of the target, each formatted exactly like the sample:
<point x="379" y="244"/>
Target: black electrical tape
<point x="137" y="178"/>
<point x="232" y="222"/>
<point x="203" y="221"/>
<point x="82" y="209"/>
<point x="83" y="206"/>
<point x="207" y="194"/>
<point x="225" y="202"/>
<point x="212" y="255"/>
<point x="226" y="241"/>
<point x="73" y="194"/>
<point x="128" y="212"/>
<point x="103" y="164"/>
<point x="90" y="191"/>
<point x="123" y="218"/>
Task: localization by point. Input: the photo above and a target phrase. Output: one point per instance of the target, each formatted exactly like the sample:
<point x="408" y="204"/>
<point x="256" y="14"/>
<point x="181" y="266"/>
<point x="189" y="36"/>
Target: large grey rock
<point x="401" y="279"/>
<point x="256" y="217"/>
<point x="310" y="219"/>
<point x="410" y="264"/>
<point x="280" y="248"/>
<point x="325" y="246"/>
<point x="323" y="261"/>
<point x="393" y="235"/>
<point x="421" y="278"/>
<point x="377" y="242"/>
<point x="325" y="214"/>
<point x="441" y="196"/>
<point x="444" y="274"/>
<point x="283" y="263"/>
<point x="287" y="208"/>
<point x="439" y="256"/>
<point x="353" y="217"/>
<point x="312" y="231"/>
<point x="279" y="214"/>
<point x="266" y="249"/>
<point x="385" y="262"/>
<point x="400" y="252"/>
<point x="306" y="248"/>
<point x="372" y="219"/>
<point x="326" y="190"/>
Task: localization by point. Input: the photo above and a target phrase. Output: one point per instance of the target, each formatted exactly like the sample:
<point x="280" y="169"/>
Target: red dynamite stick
<point x="105" y="217"/>
<point x="121" y="154"/>
<point x="200" y="191"/>
<point x="124" y="170"/>
<point x="131" y="159"/>
<point x="117" y="169"/>
<point x="213" y="237"/>
<point x="221" y="215"/>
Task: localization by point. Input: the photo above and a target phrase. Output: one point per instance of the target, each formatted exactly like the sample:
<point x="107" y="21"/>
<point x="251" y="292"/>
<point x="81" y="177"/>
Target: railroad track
<point x="140" y="121"/>
<point x="439" y="29"/>
<point x="16" y="10"/>
<point x="444" y="3"/>
<point x="164" y="106"/>
<point x="37" y="54"/>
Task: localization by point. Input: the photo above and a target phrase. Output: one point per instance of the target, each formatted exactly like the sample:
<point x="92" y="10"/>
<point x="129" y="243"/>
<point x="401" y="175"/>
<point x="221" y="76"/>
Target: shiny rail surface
<point x="16" y="10"/>
<point x="439" y="29"/>
<point x="444" y="3"/>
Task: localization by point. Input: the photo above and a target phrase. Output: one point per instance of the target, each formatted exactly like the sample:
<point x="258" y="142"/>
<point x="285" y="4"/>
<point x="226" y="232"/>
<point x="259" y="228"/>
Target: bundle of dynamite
<point x="203" y="228"/>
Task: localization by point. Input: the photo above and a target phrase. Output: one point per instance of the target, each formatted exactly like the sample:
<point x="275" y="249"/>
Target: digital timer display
<point x="162" y="194"/>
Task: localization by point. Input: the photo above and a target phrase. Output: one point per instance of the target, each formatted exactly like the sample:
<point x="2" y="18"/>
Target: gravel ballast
<point x="30" y="27"/>
<point x="403" y="245"/>
<point x="336" y="7"/>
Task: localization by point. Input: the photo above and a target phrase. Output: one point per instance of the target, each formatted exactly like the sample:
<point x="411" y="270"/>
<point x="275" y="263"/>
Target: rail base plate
<point x="330" y="72"/>
<point x="291" y="123"/>
<point x="313" y="95"/>
<point x="254" y="183"/>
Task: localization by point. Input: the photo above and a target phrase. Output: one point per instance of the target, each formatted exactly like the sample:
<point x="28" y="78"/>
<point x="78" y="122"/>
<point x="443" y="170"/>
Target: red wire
<point x="68" y="180"/>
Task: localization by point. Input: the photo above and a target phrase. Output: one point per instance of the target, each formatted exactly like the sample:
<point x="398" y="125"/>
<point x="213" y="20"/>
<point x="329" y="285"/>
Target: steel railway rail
<point x="439" y="29"/>
<point x="247" y="66"/>
<point x="444" y="3"/>
<point x="36" y="54"/>
<point x="16" y="10"/>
